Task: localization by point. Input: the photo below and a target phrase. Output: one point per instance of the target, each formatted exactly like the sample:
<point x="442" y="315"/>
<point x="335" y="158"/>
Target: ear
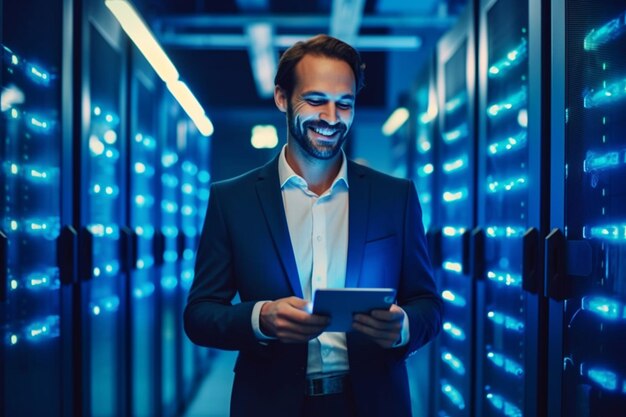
<point x="280" y="98"/>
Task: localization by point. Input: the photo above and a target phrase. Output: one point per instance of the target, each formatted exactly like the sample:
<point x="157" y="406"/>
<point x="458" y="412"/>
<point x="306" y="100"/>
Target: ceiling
<point x="208" y="40"/>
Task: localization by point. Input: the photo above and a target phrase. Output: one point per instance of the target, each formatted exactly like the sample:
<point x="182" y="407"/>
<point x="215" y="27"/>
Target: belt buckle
<point x="326" y="385"/>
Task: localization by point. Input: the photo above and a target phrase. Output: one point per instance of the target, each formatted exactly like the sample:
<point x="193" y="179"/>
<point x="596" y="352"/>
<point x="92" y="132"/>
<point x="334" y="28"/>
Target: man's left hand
<point x="382" y="326"/>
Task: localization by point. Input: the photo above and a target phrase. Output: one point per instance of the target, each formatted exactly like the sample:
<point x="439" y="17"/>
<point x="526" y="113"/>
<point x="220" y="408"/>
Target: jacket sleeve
<point x="210" y="318"/>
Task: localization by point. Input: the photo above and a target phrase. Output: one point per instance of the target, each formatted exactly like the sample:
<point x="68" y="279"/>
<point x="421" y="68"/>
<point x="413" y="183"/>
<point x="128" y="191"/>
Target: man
<point x="312" y="219"/>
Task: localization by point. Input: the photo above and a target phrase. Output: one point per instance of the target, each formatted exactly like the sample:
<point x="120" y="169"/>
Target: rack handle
<point x="477" y="249"/>
<point x="158" y="247"/>
<point x="555" y="285"/>
<point x="85" y="249"/>
<point x="67" y="247"/>
<point x="4" y="266"/>
<point x="530" y="260"/>
<point x="128" y="249"/>
<point x="466" y="241"/>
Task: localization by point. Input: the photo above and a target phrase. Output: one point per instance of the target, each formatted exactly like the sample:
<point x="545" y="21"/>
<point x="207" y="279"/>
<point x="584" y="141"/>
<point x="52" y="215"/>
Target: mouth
<point x="325" y="133"/>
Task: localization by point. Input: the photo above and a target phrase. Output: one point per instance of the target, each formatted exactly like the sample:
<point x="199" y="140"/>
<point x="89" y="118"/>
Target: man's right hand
<point x="288" y="320"/>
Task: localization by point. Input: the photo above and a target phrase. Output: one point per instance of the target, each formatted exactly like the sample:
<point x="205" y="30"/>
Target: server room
<point x="491" y="137"/>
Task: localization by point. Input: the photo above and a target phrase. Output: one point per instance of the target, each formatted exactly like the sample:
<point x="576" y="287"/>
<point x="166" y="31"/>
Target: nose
<point x="329" y="113"/>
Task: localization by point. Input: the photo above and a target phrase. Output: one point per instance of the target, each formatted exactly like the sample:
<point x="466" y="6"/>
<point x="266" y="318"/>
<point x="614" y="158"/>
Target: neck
<point x="318" y="173"/>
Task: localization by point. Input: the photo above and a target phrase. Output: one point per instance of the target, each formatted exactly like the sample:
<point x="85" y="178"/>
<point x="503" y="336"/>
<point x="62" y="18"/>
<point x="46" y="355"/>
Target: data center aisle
<point x="213" y="397"/>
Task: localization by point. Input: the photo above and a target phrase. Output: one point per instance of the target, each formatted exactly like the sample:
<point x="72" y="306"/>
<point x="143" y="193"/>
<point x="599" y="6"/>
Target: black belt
<point x="326" y="385"/>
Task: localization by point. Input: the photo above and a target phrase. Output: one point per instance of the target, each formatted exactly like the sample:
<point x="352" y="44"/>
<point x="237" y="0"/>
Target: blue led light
<point x="204" y="177"/>
<point x="170" y="256"/>
<point x="169" y="282"/>
<point x="40" y="124"/>
<point x="507" y="408"/>
<point x="513" y="58"/>
<point x="38" y="74"/>
<point x="455" y="134"/>
<point x="169" y="180"/>
<point x="608" y="94"/>
<point x="102" y="190"/>
<point x="603" y="377"/>
<point x="144" y="200"/>
<point x="108" y="304"/>
<point x="453" y="362"/>
<point x="169" y="231"/>
<point x="506" y="278"/>
<point x="425" y="170"/>
<point x="188" y="254"/>
<point x="453" y="394"/>
<point x="146" y="231"/>
<point x="48" y="228"/>
<point x="509" y="104"/>
<point x="505" y="231"/>
<point x="47" y="328"/>
<point x="510" y="144"/>
<point x="454" y="331"/>
<point x="189" y="168"/>
<point x="616" y="232"/>
<point x="507" y="364"/>
<point x="42" y="280"/>
<point x="452" y="231"/>
<point x="451" y="196"/>
<point x="110" y="231"/>
<point x="606" y="160"/>
<point x="450" y="266"/>
<point x="606" y="33"/>
<point x="145" y="290"/>
<point x="169" y="159"/>
<point x="508" y="184"/>
<point x="455" y="102"/>
<point x="508" y="322"/>
<point x="606" y="308"/>
<point x="186" y="278"/>
<point x="454" y="299"/>
<point x="169" y="206"/>
<point x="145" y="262"/>
<point x="423" y="145"/>
<point x="203" y="194"/>
<point x="187" y="188"/>
<point x="455" y="164"/>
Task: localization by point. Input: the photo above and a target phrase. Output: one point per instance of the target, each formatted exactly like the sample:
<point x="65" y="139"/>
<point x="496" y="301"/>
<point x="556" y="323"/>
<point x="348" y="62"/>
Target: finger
<point x="384" y="336"/>
<point x="378" y="324"/>
<point x="298" y="316"/>
<point x="387" y="315"/>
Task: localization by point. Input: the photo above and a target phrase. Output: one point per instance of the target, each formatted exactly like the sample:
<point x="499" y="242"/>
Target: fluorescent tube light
<point x="395" y="121"/>
<point x="140" y="34"/>
<point x="192" y="107"/>
<point x="263" y="57"/>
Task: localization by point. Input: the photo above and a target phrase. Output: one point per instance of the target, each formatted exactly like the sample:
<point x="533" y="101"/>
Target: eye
<point x="344" y="106"/>
<point x="315" y="102"/>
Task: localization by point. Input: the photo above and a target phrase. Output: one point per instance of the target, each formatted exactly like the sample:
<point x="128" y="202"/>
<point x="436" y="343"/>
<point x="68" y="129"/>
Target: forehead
<point x="324" y="74"/>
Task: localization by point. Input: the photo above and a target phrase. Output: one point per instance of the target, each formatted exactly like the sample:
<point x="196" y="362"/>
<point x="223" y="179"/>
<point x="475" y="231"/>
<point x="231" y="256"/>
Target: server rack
<point x="455" y="217"/>
<point x="35" y="334"/>
<point x="101" y="184"/>
<point x="144" y="220"/>
<point x="511" y="307"/>
<point x="584" y="267"/>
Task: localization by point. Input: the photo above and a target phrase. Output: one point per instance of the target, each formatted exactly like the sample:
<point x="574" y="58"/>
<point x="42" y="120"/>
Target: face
<point x="321" y="108"/>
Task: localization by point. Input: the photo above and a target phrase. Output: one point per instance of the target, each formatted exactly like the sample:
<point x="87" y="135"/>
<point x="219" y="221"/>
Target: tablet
<point x="342" y="303"/>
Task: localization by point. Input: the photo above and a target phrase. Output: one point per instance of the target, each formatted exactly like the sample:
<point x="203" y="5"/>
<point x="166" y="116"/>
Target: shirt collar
<point x="286" y="174"/>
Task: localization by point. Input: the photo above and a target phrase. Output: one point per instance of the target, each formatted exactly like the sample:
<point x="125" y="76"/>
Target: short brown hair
<point x="321" y="45"/>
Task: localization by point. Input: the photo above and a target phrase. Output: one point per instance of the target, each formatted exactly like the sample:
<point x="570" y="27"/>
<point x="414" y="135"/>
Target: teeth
<point x="325" y="132"/>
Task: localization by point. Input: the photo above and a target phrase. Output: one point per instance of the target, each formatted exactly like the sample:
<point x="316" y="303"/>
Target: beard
<point x="316" y="149"/>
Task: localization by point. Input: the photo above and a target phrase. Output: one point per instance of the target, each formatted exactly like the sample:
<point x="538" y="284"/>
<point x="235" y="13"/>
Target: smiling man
<point x="312" y="219"/>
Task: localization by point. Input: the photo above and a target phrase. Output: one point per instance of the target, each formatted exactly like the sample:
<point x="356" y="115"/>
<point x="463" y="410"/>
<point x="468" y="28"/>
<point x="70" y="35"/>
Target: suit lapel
<point x="358" y="209"/>
<point x="268" y="190"/>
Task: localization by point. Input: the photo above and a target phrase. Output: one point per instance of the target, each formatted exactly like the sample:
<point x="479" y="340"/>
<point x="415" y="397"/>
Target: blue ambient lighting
<point x="505" y="231"/>
<point x="507" y="364"/>
<point x="105" y="305"/>
<point x="510" y="144"/>
<point x="452" y="231"/>
<point x="453" y="394"/>
<point x="606" y="308"/>
<point x="605" y="232"/>
<point x="506" y="278"/>
<point x="455" y="195"/>
<point x="600" y="376"/>
<point x="452" y="266"/>
<point x="454" y="299"/>
<point x="48" y="328"/>
<point x="606" y="33"/>
<point x="494" y="186"/>
<point x="455" y="134"/>
<point x="513" y="102"/>
<point x="608" y="94"/>
<point x="455" y="164"/>
<point x="507" y="408"/>
<point x="606" y="160"/>
<point x="512" y="58"/>
<point x="144" y="290"/>
<point x="508" y="322"/>
<point x="454" y="331"/>
<point x="453" y="362"/>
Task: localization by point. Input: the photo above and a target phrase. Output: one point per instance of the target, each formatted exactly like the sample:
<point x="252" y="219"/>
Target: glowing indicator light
<point x="606" y="308"/>
<point x="513" y="102"/>
<point x="144" y="290"/>
<point x="454" y="331"/>
<point x="169" y="206"/>
<point x="510" y="144"/>
<point x="606" y="33"/>
<point x="14" y="169"/>
<point x="45" y="329"/>
<point x="511" y="60"/>
<point x="15" y="114"/>
<point x="508" y="322"/>
<point x="14" y="225"/>
<point x="452" y="266"/>
<point x="13" y="339"/>
<point x="169" y="159"/>
<point x="453" y="394"/>
<point x="454" y="299"/>
<point x="507" y="408"/>
<point x="169" y="231"/>
<point x="425" y="170"/>
<point x="452" y="196"/>
<point x="95" y="146"/>
<point x="507" y="364"/>
<point x="452" y="231"/>
<point x="505" y="231"/>
<point x="204" y="177"/>
<point x="608" y="94"/>
<point x="169" y="180"/>
<point x="494" y="186"/>
<point x="601" y="161"/>
<point x="187" y="210"/>
<point x="15" y="60"/>
<point x="455" y="134"/>
<point x="453" y="362"/>
<point x="605" y="232"/>
<point x="169" y="282"/>
<point x="110" y="136"/>
<point x="454" y="165"/>
<point x="455" y="102"/>
<point x="506" y="278"/>
<point x="187" y="188"/>
<point x="14" y="284"/>
<point x="105" y="305"/>
<point x="603" y="377"/>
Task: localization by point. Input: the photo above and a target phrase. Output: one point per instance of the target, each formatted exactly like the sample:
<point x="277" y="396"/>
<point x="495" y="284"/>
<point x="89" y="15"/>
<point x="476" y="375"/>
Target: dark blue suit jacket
<point x="245" y="247"/>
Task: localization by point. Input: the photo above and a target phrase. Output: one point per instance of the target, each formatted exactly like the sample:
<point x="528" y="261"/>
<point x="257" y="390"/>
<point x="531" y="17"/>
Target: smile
<point x="324" y="131"/>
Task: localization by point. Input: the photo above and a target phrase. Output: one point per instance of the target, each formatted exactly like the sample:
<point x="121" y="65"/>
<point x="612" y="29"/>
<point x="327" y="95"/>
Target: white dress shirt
<point x="318" y="228"/>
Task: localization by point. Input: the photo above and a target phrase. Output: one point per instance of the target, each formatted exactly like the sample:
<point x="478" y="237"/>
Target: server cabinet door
<point x="102" y="214"/>
<point x="144" y="192"/>
<point x="592" y="239"/>
<point x="31" y="357"/>
<point x="455" y="217"/>
<point x="507" y="352"/>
